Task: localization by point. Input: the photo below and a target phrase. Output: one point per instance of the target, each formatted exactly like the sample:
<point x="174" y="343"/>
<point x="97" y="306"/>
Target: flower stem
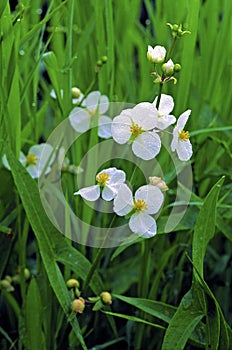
<point x="159" y="95"/>
<point x="171" y="48"/>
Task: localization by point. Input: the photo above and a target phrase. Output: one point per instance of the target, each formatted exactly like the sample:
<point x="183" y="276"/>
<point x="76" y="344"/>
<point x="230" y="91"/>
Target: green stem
<point x="159" y="95"/>
<point x="171" y="48"/>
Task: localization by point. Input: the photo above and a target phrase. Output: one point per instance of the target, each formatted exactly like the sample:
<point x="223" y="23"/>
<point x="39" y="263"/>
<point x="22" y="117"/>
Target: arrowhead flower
<point x="147" y="201"/>
<point x="180" y="142"/>
<point x="166" y="105"/>
<point x="95" y="106"/>
<point x="136" y="126"/>
<point x="38" y="157"/>
<point x="156" y="54"/>
<point x="109" y="179"/>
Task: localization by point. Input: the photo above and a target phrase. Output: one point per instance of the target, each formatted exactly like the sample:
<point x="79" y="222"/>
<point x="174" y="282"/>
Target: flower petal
<point x="103" y="104"/>
<point x="147" y="145"/>
<point x="165" y="121"/>
<point x="123" y="202"/>
<point x="108" y="193"/>
<point x="92" y="100"/>
<point x="184" y="150"/>
<point x="117" y="176"/>
<point x="174" y="142"/>
<point x="143" y="224"/>
<point x="166" y="104"/>
<point x="80" y="119"/>
<point x="91" y="193"/>
<point x="104" y="127"/>
<point x="144" y="114"/>
<point x="120" y="129"/>
<point x="152" y="195"/>
<point x="182" y="120"/>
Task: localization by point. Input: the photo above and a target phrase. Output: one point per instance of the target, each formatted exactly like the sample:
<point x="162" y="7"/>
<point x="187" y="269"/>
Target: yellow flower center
<point x="183" y="135"/>
<point x="160" y="115"/>
<point x="102" y="178"/>
<point x="93" y="112"/>
<point x="31" y="159"/>
<point x="140" y="205"/>
<point x="135" y="130"/>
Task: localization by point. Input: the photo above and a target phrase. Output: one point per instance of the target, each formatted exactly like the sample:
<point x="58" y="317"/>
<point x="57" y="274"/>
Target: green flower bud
<point x="27" y="273"/>
<point x="168" y="67"/>
<point x="76" y="93"/>
<point x="78" y="305"/>
<point x="104" y="59"/>
<point x="177" y="67"/>
<point x="72" y="283"/>
<point x="77" y="292"/>
<point x="106" y="298"/>
<point x="99" y="63"/>
<point x="4" y="284"/>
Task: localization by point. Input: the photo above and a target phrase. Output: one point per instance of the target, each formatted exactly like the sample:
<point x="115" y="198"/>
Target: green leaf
<point x="2" y="6"/>
<point x="45" y="234"/>
<point x="133" y="318"/>
<point x="205" y="226"/>
<point x="183" y="323"/>
<point x="155" y="308"/>
<point x="34" y="334"/>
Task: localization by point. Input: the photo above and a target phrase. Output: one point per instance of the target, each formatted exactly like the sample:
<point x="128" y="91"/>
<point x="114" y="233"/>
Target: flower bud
<point x="76" y="93"/>
<point x="168" y="67"/>
<point x="72" y="283"/>
<point x="156" y="55"/>
<point x="158" y="182"/>
<point x="99" y="63"/>
<point x="4" y="284"/>
<point x="78" y="305"/>
<point x="106" y="298"/>
<point x="177" y="67"/>
<point x="177" y="30"/>
<point x="104" y="59"/>
<point x="27" y="273"/>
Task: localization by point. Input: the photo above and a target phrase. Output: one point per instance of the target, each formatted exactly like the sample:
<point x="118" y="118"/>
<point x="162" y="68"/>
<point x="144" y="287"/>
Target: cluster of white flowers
<point x="148" y="199"/>
<point x="142" y="124"/>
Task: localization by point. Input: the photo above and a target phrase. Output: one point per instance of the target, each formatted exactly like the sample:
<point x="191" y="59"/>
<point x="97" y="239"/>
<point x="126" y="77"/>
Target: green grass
<point x="172" y="291"/>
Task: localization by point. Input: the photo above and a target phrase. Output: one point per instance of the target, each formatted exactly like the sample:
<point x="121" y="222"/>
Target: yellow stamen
<point x="102" y="178"/>
<point x="140" y="205"/>
<point x="183" y="135"/>
<point x="31" y="159"/>
<point x="93" y="112"/>
<point x="160" y="115"/>
<point x="135" y="130"/>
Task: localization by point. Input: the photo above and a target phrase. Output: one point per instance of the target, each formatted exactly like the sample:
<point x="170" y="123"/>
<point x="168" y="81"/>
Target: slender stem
<point x="171" y="48"/>
<point x="159" y="95"/>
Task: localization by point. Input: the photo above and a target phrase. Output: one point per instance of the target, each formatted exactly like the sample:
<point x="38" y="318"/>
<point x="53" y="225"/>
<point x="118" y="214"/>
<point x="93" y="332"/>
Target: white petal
<point x="120" y="129"/>
<point x="91" y="101"/>
<point x="143" y="224"/>
<point x="123" y="202"/>
<point x="184" y="150"/>
<point x="165" y="121"/>
<point x="44" y="154"/>
<point x="182" y="120"/>
<point x="144" y="114"/>
<point x="103" y="104"/>
<point x="166" y="104"/>
<point x="174" y="142"/>
<point x="147" y="145"/>
<point x="117" y="176"/>
<point x="152" y="195"/>
<point x="104" y="127"/>
<point x="108" y="193"/>
<point x="80" y="119"/>
<point x="34" y="171"/>
<point x="5" y="162"/>
<point x="91" y="193"/>
<point x="76" y="101"/>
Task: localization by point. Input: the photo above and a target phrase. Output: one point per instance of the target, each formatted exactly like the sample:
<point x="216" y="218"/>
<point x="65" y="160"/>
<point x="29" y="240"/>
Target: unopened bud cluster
<point x="159" y="56"/>
<point x="9" y="281"/>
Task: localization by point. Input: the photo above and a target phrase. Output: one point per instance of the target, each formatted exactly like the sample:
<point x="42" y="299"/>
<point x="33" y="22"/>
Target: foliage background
<point x="56" y="44"/>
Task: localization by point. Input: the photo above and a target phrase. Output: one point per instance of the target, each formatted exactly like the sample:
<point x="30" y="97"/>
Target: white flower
<point x="147" y="201"/>
<point x="156" y="55"/>
<point x="168" y="67"/>
<point x="38" y="157"/>
<point x="95" y="106"/>
<point x="136" y="125"/>
<point x="166" y="105"/>
<point x="180" y="142"/>
<point x="109" y="179"/>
